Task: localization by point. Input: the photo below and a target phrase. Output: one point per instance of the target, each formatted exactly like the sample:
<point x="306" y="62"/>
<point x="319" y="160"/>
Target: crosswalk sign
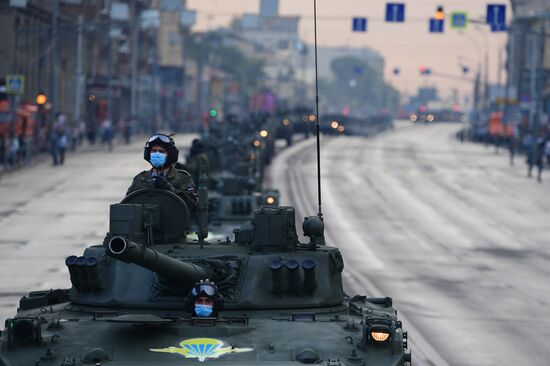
<point x="359" y="24"/>
<point x="15" y="84"/>
<point x="395" y="12"/>
<point x="459" y="20"/>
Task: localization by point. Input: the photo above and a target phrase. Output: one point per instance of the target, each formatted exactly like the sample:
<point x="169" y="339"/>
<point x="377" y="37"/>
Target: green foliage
<point x="358" y="84"/>
<point x="209" y="48"/>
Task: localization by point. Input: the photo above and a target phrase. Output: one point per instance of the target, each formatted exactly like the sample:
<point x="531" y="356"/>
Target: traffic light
<point x="439" y="13"/>
<point x="41" y="99"/>
<point x="213" y="112"/>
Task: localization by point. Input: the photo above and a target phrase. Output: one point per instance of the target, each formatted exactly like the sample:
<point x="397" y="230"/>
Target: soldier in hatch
<point x="197" y="160"/>
<point x="161" y="152"/>
<point x="204" y="300"/>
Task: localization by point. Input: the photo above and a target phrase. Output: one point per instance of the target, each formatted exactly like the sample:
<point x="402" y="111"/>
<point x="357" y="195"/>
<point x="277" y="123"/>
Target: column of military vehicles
<point x="284" y="302"/>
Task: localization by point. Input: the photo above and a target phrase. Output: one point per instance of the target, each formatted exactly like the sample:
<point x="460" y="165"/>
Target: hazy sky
<point x="405" y="45"/>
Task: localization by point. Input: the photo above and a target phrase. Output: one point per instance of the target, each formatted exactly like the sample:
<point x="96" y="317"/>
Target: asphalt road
<point x="454" y="234"/>
<point x="48" y="213"/>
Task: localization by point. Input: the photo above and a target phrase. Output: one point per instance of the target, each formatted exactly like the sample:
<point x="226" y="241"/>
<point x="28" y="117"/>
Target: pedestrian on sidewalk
<point x="62" y="142"/>
<point x="547" y="151"/>
<point x="539" y="154"/>
<point x="535" y="154"/>
<point x="130" y="123"/>
<point x="511" y="143"/>
<point x="527" y="144"/>
<point x="13" y="151"/>
<point x="81" y="132"/>
<point x="56" y="133"/>
<point x="107" y="133"/>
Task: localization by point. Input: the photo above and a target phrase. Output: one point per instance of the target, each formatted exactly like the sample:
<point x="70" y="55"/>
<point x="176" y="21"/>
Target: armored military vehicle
<point x="237" y="153"/>
<point x="284" y="301"/>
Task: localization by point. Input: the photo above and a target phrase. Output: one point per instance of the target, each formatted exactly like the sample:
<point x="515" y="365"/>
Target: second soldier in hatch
<point x="196" y="161"/>
<point x="161" y="152"/>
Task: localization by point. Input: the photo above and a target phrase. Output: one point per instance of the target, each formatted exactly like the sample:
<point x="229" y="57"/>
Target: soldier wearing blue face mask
<point x="204" y="300"/>
<point x="161" y="152"/>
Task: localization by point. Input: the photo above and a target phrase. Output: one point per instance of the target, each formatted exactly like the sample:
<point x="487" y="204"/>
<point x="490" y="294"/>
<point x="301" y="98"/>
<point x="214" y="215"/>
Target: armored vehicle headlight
<point x="379" y="336"/>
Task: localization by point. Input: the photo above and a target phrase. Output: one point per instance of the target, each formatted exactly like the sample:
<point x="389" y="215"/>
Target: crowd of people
<point x="535" y="149"/>
<point x="19" y="146"/>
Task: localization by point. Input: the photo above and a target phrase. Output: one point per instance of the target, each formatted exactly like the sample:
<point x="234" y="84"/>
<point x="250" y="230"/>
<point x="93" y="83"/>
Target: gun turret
<point x="122" y="249"/>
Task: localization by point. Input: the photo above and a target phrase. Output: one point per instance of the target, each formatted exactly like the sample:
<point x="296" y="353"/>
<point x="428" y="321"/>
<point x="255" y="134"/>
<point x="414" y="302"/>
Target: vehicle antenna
<point x="320" y="213"/>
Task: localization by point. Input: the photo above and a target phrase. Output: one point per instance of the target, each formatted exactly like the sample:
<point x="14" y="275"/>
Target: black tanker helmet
<point x="167" y="143"/>
<point x="205" y="288"/>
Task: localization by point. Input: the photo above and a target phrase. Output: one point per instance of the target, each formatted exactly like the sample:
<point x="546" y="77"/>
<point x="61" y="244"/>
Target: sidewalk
<point x="48" y="213"/>
<point x="43" y="157"/>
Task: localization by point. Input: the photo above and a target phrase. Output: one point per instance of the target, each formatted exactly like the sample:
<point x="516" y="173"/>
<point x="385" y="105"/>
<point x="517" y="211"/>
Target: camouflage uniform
<point x="181" y="183"/>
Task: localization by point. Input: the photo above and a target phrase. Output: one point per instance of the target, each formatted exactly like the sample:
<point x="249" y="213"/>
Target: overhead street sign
<point x="436" y="26"/>
<point x="359" y="24"/>
<point x="496" y="14"/>
<point x="15" y="84"/>
<point x="395" y="12"/>
<point x="459" y="20"/>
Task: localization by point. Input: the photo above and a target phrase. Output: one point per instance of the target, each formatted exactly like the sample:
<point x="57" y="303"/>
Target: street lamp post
<point x="78" y="71"/>
<point x="475" y="102"/>
<point x="53" y="52"/>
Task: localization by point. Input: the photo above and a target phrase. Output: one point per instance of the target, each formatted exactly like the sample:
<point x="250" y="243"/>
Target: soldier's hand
<point x="161" y="183"/>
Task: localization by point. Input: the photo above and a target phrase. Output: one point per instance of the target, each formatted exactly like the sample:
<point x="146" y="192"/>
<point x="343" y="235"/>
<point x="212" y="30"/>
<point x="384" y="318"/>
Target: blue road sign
<point x="499" y="27"/>
<point x="395" y="12"/>
<point x="436" y="26"/>
<point x="15" y="84"/>
<point x="359" y="25"/>
<point x="459" y="20"/>
<point x="496" y="14"/>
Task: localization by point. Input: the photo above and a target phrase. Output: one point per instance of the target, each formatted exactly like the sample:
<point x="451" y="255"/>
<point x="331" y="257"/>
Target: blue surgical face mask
<point x="203" y="310"/>
<point x="158" y="159"/>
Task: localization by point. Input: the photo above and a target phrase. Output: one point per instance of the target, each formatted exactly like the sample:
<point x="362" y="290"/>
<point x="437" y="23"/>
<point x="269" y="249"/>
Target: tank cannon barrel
<point x="122" y="249"/>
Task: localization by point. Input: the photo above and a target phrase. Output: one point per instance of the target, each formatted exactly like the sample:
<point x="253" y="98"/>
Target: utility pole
<point x="486" y="84"/>
<point x="500" y="68"/>
<point x="109" y="110"/>
<point x="156" y="80"/>
<point x="509" y="75"/>
<point x="199" y="90"/>
<point x="135" y="54"/>
<point x="534" y="87"/>
<point x="538" y="54"/>
<point x="53" y="52"/>
<point x="78" y="72"/>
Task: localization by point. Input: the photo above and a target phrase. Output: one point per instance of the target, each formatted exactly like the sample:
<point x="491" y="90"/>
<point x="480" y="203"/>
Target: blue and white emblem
<point x="202" y="349"/>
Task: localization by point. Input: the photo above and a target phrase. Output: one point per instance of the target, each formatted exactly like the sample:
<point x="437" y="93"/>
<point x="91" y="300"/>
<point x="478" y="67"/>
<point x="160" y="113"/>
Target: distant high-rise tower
<point x="269" y="8"/>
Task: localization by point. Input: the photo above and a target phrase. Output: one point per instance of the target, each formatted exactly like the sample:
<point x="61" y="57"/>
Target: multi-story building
<point x="528" y="65"/>
<point x="110" y="75"/>
<point x="275" y="39"/>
